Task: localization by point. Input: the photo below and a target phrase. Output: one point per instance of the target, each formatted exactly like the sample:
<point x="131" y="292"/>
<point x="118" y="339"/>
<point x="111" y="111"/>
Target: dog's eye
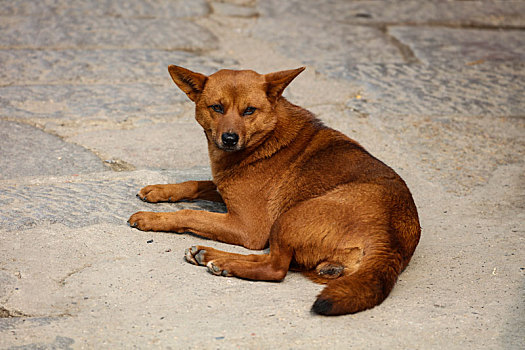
<point x="217" y="108"/>
<point x="249" y="111"/>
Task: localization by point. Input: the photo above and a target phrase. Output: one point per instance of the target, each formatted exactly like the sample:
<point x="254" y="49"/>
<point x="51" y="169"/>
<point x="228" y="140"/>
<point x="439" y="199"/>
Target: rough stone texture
<point x="72" y="102"/>
<point x="66" y="32"/>
<point x="184" y="145"/>
<point x="111" y="8"/>
<point x="336" y="46"/>
<point x="234" y="10"/>
<point x="32" y="67"/>
<point x="27" y="151"/>
<point x="432" y="88"/>
<point x="78" y="202"/>
<point x="468" y="46"/>
<point x="414" y="12"/>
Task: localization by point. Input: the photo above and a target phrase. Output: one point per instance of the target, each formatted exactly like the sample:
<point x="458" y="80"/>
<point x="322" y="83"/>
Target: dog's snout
<point x="229" y="139"/>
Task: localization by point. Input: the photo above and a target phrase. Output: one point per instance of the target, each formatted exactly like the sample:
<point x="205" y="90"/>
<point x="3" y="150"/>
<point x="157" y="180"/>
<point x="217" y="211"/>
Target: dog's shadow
<point x="200" y="204"/>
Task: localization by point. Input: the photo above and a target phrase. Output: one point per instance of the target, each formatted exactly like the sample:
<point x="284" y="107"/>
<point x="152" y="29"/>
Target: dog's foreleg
<point x="188" y="190"/>
<point x="216" y="226"/>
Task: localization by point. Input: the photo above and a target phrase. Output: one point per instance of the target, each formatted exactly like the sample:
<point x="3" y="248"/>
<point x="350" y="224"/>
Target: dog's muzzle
<point x="229" y="141"/>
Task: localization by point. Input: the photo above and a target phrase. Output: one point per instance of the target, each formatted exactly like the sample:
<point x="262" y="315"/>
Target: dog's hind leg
<point x="267" y="267"/>
<point x="200" y="255"/>
<point x="262" y="267"/>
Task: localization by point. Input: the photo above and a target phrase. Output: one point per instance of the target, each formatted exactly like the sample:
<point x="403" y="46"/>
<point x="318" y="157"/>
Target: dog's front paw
<point x="155" y="194"/>
<point x="145" y="221"/>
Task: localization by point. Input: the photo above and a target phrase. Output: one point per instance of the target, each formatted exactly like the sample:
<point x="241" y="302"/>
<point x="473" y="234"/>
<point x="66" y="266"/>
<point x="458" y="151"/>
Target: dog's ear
<point x="278" y="81"/>
<point x="190" y="82"/>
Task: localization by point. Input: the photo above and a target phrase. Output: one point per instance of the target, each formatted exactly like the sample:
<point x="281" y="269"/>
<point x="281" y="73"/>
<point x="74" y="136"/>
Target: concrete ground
<point x="89" y="115"/>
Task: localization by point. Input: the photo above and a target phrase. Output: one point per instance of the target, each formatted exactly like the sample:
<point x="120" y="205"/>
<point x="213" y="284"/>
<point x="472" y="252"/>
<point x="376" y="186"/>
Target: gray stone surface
<point x="89" y="32"/>
<point x="140" y="146"/>
<point x="82" y="201"/>
<point x="413" y="12"/>
<point x="115" y="66"/>
<point x="335" y="46"/>
<point x="108" y="8"/>
<point x="74" y="102"/>
<point x="468" y="46"/>
<point x="89" y="115"/>
<point x="28" y="151"/>
<point x="435" y="90"/>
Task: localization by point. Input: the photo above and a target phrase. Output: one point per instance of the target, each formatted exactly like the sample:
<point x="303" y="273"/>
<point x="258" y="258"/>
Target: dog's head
<point x="235" y="108"/>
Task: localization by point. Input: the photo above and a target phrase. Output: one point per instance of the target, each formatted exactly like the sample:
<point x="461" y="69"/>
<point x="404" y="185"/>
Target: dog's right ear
<point x="190" y="82"/>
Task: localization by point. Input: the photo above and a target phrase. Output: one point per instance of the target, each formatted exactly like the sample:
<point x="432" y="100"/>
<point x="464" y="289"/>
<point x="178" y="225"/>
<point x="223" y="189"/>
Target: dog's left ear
<point x="190" y="82"/>
<point x="278" y="81"/>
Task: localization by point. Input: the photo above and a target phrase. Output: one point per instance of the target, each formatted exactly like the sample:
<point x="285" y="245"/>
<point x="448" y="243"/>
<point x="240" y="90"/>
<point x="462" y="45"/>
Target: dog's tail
<point x="363" y="289"/>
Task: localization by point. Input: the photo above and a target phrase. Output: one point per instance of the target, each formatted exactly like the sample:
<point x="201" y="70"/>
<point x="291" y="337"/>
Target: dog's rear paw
<point x="214" y="269"/>
<point x="195" y="255"/>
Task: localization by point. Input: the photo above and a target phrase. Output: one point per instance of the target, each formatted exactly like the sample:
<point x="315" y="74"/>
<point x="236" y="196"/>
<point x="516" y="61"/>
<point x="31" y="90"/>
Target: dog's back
<point x="357" y="211"/>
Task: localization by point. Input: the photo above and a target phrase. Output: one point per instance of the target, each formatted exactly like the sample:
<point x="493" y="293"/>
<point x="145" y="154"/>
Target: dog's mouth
<point x="228" y="148"/>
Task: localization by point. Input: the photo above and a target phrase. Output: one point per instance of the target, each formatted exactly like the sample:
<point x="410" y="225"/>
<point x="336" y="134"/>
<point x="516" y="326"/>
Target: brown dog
<point x="323" y="204"/>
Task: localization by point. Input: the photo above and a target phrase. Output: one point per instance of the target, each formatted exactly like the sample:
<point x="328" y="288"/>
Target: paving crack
<point x="63" y="281"/>
<point x="406" y="52"/>
<point x="6" y="313"/>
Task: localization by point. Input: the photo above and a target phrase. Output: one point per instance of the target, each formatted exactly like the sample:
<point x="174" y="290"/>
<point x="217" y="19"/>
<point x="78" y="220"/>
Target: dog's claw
<point x="199" y="257"/>
<point x="214" y="269"/>
<point x="189" y="255"/>
<point x="144" y="199"/>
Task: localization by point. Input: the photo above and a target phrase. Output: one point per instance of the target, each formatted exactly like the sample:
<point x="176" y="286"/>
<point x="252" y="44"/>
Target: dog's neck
<point x="292" y="121"/>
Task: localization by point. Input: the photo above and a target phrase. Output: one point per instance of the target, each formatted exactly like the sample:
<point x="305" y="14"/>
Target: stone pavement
<point x="89" y="115"/>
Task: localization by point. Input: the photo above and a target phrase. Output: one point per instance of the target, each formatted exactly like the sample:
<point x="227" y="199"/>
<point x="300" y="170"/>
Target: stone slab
<point x="28" y="151"/>
<point x="112" y="8"/>
<point x="151" y="146"/>
<point x="80" y="102"/>
<point x="413" y="12"/>
<point x="82" y="201"/>
<point x="433" y="90"/>
<point x="112" y="66"/>
<point x="438" y="45"/>
<point x="339" y="45"/>
<point x="88" y="32"/>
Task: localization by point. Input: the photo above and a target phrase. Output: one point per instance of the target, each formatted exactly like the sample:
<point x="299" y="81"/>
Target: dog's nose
<point x="229" y="139"/>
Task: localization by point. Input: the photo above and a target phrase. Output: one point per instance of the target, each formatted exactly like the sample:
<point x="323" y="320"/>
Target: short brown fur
<point x="322" y="203"/>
